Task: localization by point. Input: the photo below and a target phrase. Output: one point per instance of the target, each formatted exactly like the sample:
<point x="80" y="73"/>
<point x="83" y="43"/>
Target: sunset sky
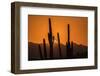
<point x="38" y="28"/>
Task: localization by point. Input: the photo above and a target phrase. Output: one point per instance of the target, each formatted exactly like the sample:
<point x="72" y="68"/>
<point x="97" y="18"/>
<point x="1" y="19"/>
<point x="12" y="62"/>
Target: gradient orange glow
<point x="38" y="28"/>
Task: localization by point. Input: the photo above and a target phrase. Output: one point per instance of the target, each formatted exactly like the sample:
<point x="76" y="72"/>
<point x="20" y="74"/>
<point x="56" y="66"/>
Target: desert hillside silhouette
<point x="79" y="51"/>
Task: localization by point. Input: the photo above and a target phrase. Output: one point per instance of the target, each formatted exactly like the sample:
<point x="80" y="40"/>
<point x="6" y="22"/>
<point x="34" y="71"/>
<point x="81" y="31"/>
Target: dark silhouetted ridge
<point x="79" y="51"/>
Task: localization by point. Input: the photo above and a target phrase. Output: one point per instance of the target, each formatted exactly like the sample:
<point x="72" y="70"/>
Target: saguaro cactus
<point x="68" y="36"/>
<point x="50" y="39"/>
<point x="40" y="51"/>
<point x="44" y="45"/>
<point x="69" y="45"/>
<point x="60" y="55"/>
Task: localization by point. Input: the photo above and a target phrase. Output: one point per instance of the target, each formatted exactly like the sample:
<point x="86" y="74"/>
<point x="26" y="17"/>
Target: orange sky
<point x="38" y="28"/>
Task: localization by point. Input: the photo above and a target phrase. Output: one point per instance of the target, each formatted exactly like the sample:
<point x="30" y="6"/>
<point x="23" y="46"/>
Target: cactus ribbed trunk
<point x="60" y="55"/>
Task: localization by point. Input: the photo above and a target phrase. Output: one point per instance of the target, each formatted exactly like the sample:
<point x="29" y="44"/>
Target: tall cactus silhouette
<point x="68" y="43"/>
<point x="50" y="39"/>
<point x="68" y="36"/>
<point x="60" y="55"/>
<point x="44" y="45"/>
<point x="69" y="46"/>
<point x="40" y="51"/>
